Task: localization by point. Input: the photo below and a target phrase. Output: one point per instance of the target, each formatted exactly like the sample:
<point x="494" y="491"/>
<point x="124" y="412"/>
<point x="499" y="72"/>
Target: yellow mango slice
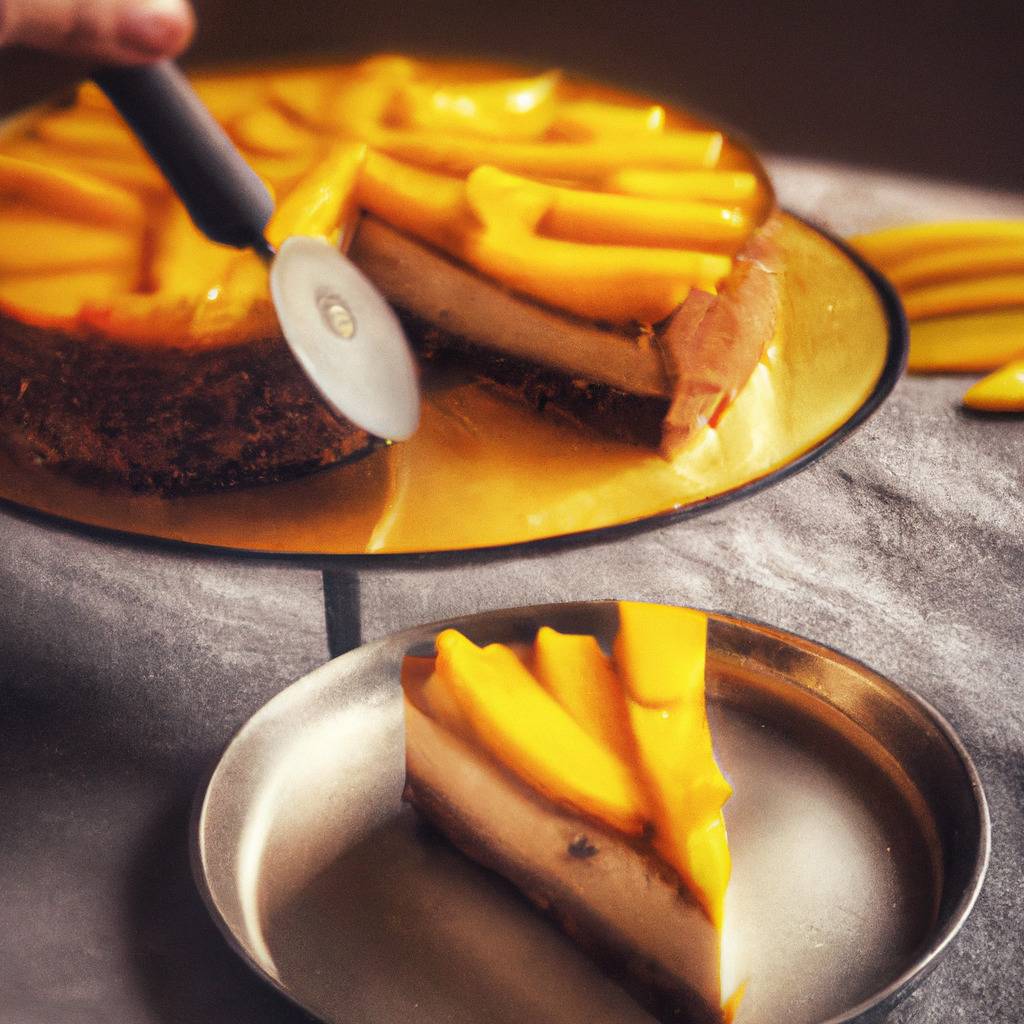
<point x="1002" y="391"/>
<point x="900" y="243"/>
<point x="966" y="343"/>
<point x="521" y="108"/>
<point x="185" y="263"/>
<point x="957" y="264"/>
<point x="962" y="296"/>
<point x="733" y="188"/>
<point x="524" y="728"/>
<point x="577" y="161"/>
<point x="68" y="194"/>
<point x="617" y="284"/>
<point x="582" y="119"/>
<point x="427" y="205"/>
<point x="53" y="300"/>
<point x="267" y="132"/>
<point x="324" y="201"/>
<point x="32" y="241"/>
<point x="686" y="791"/>
<point x="660" y="652"/>
<point x="303" y="97"/>
<point x="95" y="132"/>
<point x="602" y="218"/>
<point x="580" y="676"/>
<point x="231" y="95"/>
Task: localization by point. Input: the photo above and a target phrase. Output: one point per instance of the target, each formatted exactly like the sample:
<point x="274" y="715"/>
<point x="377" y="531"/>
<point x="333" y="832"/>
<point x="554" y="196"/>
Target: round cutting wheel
<point x="346" y="338"/>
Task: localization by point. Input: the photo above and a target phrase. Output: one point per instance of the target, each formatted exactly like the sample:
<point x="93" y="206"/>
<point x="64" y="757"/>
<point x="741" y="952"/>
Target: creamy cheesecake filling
<point x="602" y="890"/>
<point x="425" y="282"/>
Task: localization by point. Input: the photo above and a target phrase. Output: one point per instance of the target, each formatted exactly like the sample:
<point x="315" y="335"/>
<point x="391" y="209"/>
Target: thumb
<point x="112" y="31"/>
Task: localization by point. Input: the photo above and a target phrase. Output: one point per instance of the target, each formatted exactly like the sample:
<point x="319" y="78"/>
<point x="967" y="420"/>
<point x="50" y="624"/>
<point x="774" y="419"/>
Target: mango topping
<point x="615" y="209"/>
<point x="629" y="746"/>
<point x="526" y="729"/>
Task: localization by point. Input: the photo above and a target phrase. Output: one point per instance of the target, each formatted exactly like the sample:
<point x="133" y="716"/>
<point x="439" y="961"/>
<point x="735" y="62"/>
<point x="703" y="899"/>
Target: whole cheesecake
<point x="588" y="253"/>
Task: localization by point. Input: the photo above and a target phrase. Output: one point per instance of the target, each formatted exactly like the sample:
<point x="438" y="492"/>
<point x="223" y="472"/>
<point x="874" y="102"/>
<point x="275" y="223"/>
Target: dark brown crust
<point x="168" y="420"/>
<point x="663" y="996"/>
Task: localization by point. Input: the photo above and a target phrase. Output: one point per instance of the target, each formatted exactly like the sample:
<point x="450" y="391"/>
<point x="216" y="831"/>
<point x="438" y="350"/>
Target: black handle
<point x="225" y="198"/>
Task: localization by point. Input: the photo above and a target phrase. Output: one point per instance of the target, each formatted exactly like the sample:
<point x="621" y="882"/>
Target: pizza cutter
<point x="340" y="329"/>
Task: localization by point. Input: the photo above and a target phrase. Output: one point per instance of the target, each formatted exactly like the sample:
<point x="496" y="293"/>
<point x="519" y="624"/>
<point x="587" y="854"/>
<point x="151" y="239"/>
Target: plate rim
<point x="870" y="1009"/>
<point x="893" y="368"/>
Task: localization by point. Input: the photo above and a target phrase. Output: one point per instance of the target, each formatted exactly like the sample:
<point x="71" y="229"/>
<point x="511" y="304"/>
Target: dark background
<point x="927" y="87"/>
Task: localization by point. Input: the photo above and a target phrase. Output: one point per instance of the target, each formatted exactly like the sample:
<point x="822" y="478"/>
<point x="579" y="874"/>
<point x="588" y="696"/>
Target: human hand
<point x="111" y="31"/>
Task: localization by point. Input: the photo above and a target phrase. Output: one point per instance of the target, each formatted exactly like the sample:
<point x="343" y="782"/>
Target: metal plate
<point x="859" y="833"/>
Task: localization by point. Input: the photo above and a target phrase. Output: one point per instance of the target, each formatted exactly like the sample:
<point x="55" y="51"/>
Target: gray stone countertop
<point x="125" y="669"/>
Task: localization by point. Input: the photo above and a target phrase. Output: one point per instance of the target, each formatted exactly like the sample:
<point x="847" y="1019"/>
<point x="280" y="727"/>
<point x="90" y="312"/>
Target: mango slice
<point x="957" y="264"/>
<point x="734" y="188"/>
<point x="61" y="191"/>
<point x="686" y="792"/>
<point x="580" y="676"/>
<point x="520" y="108"/>
<point x="323" y="203"/>
<point x="660" y="651"/>
<point x="1002" y="391"/>
<point x="524" y="728"/>
<point x="582" y="161"/>
<point x="890" y="245"/>
<point x="966" y="343"/>
<point x="582" y="119"/>
<point x="603" y="218"/>
<point x="961" y="296"/>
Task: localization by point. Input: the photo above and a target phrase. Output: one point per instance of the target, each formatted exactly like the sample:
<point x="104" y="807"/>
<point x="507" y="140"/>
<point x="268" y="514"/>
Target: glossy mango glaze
<point x="480" y="471"/>
<point x="531" y="180"/>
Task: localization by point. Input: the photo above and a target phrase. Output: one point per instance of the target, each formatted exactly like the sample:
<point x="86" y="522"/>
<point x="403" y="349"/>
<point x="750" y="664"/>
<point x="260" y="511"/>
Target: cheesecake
<point x="593" y="255"/>
<point x="589" y="781"/>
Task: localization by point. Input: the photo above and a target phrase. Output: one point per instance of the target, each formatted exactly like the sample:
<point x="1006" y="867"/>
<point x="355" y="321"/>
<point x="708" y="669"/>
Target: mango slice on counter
<point x="526" y="729"/>
<point x="580" y="676"/>
<point x="966" y="343"/>
<point x="964" y="295"/>
<point x="1002" y="391"/>
<point x="890" y="245"/>
<point x="957" y="264"/>
<point x="660" y="652"/>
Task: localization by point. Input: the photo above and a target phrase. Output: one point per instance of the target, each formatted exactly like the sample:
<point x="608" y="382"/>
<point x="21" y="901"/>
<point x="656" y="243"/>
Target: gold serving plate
<point x="483" y="473"/>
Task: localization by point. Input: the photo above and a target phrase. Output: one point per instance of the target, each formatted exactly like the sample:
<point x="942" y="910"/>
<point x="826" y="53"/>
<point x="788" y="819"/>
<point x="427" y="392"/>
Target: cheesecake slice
<point x="590" y="783"/>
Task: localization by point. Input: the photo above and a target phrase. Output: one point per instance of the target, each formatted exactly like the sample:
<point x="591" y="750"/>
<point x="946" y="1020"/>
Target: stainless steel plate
<point x="859" y="832"/>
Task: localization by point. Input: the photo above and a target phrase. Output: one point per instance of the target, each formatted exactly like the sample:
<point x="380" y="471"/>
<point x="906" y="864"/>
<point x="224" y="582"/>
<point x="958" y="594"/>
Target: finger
<point x="117" y="31"/>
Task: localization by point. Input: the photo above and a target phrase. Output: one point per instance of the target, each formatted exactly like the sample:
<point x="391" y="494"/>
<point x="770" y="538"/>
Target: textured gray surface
<point x="124" y="670"/>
